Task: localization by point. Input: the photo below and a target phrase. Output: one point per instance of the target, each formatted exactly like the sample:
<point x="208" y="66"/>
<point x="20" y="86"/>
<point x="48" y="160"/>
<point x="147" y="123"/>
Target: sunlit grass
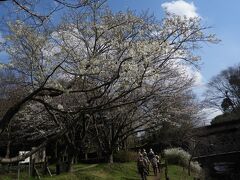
<point x="104" y="171"/>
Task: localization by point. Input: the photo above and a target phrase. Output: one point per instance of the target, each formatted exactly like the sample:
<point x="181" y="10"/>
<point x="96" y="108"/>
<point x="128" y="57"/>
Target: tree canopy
<point x="97" y="71"/>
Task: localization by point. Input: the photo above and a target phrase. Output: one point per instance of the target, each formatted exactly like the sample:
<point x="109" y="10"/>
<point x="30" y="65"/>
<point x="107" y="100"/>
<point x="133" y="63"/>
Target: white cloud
<point x="193" y="72"/>
<point x="198" y="78"/>
<point x="181" y="8"/>
<point x="210" y="114"/>
<point x="190" y="72"/>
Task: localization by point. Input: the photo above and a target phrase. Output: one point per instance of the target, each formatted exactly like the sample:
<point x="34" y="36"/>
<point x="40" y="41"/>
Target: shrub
<point x="195" y="166"/>
<point x="180" y="157"/>
<point x="125" y="156"/>
<point x="177" y="156"/>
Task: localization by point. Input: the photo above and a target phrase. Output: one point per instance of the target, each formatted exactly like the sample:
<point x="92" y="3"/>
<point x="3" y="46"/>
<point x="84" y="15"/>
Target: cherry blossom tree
<point x="96" y="61"/>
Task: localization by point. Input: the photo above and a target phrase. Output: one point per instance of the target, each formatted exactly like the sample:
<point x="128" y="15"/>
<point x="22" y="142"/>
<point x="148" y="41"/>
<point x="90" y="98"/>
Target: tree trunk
<point x="191" y="157"/>
<point x="32" y="169"/>
<point x="8" y="153"/>
<point x="86" y="156"/>
<point x="58" y="171"/>
<point x="69" y="164"/>
<point x="110" y="158"/>
<point x="58" y="167"/>
<point x="8" y="150"/>
<point x="75" y="159"/>
<point x="189" y="166"/>
<point x="70" y="154"/>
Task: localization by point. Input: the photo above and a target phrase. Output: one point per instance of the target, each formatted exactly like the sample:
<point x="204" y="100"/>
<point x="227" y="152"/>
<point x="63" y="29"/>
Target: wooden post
<point x="166" y="170"/>
<point x="45" y="165"/>
<point x="29" y="166"/>
<point x="33" y="168"/>
<point x="36" y="171"/>
<point x="57" y="159"/>
<point x="49" y="172"/>
<point x="18" y="170"/>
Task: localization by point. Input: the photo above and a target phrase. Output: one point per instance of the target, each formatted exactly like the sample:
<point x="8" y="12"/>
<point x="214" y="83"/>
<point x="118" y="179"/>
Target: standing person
<point x="151" y="154"/>
<point x="158" y="163"/>
<point x="139" y="152"/>
<point x="142" y="165"/>
<point x="154" y="165"/>
<point x="153" y="160"/>
<point x="147" y="160"/>
<point x="144" y="151"/>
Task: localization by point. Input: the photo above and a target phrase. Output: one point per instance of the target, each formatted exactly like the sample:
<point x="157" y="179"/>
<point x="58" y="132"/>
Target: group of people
<point x="144" y="161"/>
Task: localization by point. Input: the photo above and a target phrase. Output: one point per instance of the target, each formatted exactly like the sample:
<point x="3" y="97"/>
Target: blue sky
<point x="221" y="15"/>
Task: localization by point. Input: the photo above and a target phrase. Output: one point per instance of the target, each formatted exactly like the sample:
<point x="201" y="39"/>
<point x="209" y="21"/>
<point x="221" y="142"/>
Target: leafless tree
<point x="224" y="90"/>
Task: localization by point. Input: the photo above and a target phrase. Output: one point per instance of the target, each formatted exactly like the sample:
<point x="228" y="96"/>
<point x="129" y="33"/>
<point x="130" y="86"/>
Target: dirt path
<point x="152" y="177"/>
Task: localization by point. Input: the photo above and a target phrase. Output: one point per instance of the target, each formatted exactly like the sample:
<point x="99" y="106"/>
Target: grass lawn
<point x="177" y="173"/>
<point x="116" y="171"/>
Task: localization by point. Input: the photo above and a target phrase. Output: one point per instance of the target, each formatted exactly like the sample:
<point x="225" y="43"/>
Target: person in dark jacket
<point x="142" y="167"/>
<point x="145" y="156"/>
<point x="151" y="154"/>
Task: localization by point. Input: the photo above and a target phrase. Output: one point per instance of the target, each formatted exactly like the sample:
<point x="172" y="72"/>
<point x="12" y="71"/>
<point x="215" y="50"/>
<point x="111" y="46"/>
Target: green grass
<point x="116" y="171"/>
<point x="13" y="176"/>
<point x="177" y="173"/>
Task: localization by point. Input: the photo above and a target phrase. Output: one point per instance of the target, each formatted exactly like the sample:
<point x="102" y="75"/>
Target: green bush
<point x="125" y="156"/>
<point x="178" y="156"/>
